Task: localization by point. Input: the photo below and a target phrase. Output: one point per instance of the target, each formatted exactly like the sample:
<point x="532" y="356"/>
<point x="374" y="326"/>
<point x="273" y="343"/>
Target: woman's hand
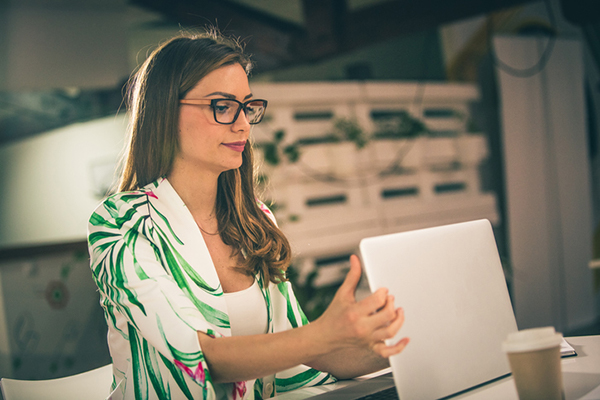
<point x="347" y="340"/>
<point x="364" y="324"/>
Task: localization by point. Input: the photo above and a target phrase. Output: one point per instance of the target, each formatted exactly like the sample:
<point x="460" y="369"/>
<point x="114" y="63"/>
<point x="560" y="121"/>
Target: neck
<point x="197" y="189"/>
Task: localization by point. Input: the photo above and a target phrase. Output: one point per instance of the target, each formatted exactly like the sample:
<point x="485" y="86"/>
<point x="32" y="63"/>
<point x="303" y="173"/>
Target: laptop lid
<point x="450" y="282"/>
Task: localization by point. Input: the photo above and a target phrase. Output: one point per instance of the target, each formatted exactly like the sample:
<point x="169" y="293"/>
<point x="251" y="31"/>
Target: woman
<point x="191" y="267"/>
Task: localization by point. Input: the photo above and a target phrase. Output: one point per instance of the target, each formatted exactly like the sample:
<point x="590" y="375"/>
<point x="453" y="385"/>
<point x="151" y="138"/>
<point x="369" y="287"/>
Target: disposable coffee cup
<point x="534" y="358"/>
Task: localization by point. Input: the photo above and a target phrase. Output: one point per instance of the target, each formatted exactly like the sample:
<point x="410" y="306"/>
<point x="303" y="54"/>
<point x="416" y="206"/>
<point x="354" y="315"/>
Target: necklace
<point x="210" y="217"/>
<point x="208" y="233"/>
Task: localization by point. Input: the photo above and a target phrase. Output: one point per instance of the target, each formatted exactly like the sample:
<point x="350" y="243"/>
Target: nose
<point x="242" y="123"/>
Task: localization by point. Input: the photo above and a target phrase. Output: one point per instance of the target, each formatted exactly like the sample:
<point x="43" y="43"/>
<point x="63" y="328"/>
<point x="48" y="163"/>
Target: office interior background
<point x="384" y="116"/>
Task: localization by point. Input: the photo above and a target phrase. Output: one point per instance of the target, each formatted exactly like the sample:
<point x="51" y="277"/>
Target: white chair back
<point x="90" y="385"/>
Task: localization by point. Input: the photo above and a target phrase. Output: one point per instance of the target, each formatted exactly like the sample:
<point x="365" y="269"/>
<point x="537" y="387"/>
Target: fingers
<point x="387" y="351"/>
<point x="348" y="287"/>
<point x="389" y="330"/>
<point x="368" y="322"/>
<point x="375" y="302"/>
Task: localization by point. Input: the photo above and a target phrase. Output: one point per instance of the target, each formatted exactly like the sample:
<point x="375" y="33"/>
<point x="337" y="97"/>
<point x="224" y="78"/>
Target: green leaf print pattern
<point x="177" y="265"/>
<point x="111" y="276"/>
<point x="127" y="231"/>
<point x="291" y="315"/>
<point x="296" y="317"/>
<point x="310" y="377"/>
<point x="212" y="315"/>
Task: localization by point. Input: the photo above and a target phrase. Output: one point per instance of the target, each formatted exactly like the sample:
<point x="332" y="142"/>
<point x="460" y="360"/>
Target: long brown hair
<point x="154" y="91"/>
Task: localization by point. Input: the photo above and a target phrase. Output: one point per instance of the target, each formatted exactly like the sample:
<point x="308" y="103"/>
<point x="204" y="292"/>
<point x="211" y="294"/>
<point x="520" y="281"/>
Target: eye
<point x="255" y="107"/>
<point x="224" y="106"/>
<point x="221" y="109"/>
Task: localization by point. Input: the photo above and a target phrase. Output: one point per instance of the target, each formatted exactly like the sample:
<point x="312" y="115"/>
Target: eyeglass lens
<point x="227" y="110"/>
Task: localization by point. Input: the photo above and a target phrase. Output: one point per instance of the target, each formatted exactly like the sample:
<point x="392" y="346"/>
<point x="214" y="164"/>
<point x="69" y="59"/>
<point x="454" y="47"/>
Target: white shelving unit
<point x="336" y="194"/>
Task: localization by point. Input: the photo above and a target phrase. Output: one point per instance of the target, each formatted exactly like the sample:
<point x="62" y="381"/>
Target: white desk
<point x="581" y="374"/>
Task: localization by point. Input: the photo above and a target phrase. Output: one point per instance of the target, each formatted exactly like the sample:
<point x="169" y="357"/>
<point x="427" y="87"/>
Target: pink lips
<point x="236" y="146"/>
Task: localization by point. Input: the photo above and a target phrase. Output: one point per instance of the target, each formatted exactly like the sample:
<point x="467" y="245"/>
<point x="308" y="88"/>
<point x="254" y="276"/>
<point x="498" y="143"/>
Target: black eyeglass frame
<point x="213" y="103"/>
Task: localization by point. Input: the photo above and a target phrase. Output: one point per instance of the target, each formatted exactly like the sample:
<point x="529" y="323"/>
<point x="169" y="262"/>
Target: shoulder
<point x="123" y="204"/>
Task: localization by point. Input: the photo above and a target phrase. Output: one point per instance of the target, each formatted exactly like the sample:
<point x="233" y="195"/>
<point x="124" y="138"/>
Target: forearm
<point x="347" y="340"/>
<point x="350" y="362"/>
<point x="240" y="358"/>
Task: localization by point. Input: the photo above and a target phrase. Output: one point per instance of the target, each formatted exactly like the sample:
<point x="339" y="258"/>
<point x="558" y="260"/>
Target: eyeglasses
<point x="226" y="111"/>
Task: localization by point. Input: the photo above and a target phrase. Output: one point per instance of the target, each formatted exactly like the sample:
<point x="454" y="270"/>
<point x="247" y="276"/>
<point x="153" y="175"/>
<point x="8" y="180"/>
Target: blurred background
<point x="384" y="116"/>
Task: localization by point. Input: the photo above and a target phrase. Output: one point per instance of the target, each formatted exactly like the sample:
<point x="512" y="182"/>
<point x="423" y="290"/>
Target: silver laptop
<point x="450" y="282"/>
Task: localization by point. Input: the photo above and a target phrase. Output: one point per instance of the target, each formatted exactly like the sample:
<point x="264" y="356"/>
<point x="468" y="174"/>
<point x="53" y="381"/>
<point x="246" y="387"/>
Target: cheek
<point x="187" y="120"/>
<point x="198" y="141"/>
<point x="195" y="122"/>
<point x="189" y="130"/>
<point x="184" y="132"/>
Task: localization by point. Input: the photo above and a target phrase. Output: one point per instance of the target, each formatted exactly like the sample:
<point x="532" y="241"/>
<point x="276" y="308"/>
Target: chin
<point x="233" y="165"/>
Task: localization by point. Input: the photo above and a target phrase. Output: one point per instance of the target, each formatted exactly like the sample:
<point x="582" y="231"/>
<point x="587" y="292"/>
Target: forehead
<point x="231" y="79"/>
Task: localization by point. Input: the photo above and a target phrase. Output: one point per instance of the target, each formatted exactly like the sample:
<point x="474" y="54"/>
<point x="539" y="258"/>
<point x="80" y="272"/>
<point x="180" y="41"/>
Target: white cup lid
<point x="531" y="339"/>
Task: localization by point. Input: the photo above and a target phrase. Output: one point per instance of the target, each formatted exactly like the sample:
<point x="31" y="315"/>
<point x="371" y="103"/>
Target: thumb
<point x="352" y="278"/>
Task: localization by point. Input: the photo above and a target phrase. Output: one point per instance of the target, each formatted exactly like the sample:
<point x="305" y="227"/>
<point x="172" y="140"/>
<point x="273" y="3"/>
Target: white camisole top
<point x="247" y="311"/>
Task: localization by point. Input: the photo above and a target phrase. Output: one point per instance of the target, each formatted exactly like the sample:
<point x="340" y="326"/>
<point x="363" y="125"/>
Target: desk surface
<point x="581" y="375"/>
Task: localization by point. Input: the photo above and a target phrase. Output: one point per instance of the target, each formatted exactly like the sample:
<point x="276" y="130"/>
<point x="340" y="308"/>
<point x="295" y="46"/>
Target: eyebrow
<point x="228" y="95"/>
